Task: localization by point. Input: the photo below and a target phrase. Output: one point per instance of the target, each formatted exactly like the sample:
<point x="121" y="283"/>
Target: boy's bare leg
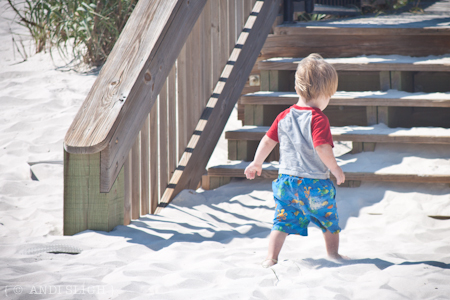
<point x="332" y="245"/>
<point x="276" y="241"/>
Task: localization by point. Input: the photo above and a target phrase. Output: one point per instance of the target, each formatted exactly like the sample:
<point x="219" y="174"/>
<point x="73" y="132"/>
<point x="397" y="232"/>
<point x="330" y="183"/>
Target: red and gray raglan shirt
<point x="299" y="130"/>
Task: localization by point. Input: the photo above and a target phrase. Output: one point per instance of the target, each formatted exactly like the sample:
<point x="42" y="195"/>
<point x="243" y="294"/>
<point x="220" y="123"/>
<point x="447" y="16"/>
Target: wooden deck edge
<point x="358" y="66"/>
<point x="341" y="101"/>
<point x="373" y="138"/>
<point x="294" y="30"/>
<point x="349" y="176"/>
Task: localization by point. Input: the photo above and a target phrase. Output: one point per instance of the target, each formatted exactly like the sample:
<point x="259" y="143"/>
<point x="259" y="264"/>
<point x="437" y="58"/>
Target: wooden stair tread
<point x="341" y="98"/>
<point x="375" y="134"/>
<point x="404" y="24"/>
<point x="355" y="172"/>
<point x="368" y="63"/>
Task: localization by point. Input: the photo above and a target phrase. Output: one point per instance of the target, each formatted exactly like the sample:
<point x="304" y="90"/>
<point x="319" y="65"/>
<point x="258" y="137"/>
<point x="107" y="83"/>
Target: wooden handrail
<point x="123" y="94"/>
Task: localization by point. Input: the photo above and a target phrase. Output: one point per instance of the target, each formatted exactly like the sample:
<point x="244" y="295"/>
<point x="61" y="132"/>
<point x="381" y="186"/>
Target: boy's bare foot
<point x="337" y="256"/>
<point x="269" y="262"/>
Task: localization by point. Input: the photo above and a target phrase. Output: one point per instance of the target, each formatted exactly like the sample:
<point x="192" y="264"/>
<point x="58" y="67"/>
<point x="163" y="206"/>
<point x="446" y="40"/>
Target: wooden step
<point x="391" y="165"/>
<point x="393" y="108"/>
<point x="242" y="143"/>
<point x="374" y="134"/>
<point x="404" y="34"/>
<point x="368" y="63"/>
<point x="387" y="98"/>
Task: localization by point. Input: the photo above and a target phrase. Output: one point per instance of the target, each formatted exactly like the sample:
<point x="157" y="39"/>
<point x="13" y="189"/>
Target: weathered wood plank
<point x="207" y="80"/>
<point x="232" y="33"/>
<point x="388" y="98"/>
<point x="343" y="45"/>
<point x="272" y="173"/>
<point x="85" y="207"/>
<point x="359" y="134"/>
<point x="127" y="192"/>
<point x="145" y="167"/>
<point x="381" y="63"/>
<point x="182" y="101"/>
<point x="172" y="121"/>
<point x="154" y="170"/>
<point x="129" y="82"/>
<point x="377" y="30"/>
<point x="163" y="139"/>
<point x="215" y="41"/>
<point x="136" y="180"/>
<point x="223" y="100"/>
<point x="372" y="115"/>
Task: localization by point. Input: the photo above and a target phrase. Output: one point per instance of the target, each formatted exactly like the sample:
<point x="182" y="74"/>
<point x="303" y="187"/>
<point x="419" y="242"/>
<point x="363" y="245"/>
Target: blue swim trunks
<point x="299" y="201"/>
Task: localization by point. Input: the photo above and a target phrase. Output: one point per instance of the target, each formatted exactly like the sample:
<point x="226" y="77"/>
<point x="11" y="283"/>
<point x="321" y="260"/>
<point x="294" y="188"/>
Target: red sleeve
<point x="320" y="130"/>
<point x="273" y="130"/>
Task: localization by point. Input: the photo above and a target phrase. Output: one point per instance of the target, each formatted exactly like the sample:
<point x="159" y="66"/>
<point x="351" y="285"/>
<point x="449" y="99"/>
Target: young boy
<point x="303" y="192"/>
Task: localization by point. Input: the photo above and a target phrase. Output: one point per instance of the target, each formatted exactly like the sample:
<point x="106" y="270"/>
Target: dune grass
<point x="82" y="30"/>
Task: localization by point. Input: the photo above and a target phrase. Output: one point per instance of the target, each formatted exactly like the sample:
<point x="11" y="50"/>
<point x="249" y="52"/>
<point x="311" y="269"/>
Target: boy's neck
<point x="302" y="103"/>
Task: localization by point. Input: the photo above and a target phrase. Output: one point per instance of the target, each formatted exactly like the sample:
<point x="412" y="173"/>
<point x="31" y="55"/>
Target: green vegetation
<point x="82" y="30"/>
<point x="391" y="6"/>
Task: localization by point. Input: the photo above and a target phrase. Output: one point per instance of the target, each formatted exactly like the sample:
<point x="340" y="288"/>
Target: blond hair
<point x="315" y="77"/>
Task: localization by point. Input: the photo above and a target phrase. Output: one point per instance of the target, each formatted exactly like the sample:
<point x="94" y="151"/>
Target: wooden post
<point x="211" y="183"/>
<point x="402" y="81"/>
<point x="372" y="115"/>
<point x="154" y="174"/>
<point x="145" y="167"/>
<point x="136" y="180"/>
<point x="357" y="147"/>
<point x="369" y="147"/>
<point x="85" y="207"/>
<point x="127" y="197"/>
<point x="385" y="80"/>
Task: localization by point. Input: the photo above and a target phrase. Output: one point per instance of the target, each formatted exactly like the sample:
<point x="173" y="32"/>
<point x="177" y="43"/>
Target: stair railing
<point x="128" y="137"/>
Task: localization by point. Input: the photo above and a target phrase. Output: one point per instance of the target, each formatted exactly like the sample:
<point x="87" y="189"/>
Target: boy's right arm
<point x="264" y="148"/>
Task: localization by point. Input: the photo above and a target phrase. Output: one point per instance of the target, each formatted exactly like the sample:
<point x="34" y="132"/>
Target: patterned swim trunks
<point x="299" y="201"/>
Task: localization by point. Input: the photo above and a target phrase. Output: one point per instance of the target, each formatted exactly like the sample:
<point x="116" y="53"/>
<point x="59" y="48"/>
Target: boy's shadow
<point x="379" y="263"/>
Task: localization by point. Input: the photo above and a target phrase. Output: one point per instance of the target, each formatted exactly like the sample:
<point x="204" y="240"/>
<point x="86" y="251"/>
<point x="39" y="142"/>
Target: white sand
<point x="205" y="245"/>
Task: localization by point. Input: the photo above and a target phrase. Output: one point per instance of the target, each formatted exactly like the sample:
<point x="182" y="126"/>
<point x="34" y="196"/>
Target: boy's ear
<point x="297" y="91"/>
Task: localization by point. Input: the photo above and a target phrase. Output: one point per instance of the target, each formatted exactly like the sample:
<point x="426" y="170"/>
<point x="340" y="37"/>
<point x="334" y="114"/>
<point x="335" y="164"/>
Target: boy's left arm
<point x="325" y="153"/>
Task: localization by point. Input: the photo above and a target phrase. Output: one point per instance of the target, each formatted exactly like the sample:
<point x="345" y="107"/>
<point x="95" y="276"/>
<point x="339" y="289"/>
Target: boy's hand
<point x="339" y="174"/>
<point x="253" y="169"/>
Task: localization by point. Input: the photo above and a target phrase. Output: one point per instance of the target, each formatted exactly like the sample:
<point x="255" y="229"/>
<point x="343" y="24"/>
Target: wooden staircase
<point x="393" y="99"/>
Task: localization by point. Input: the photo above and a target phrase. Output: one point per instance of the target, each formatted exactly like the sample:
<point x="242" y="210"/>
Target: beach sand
<point x="206" y="244"/>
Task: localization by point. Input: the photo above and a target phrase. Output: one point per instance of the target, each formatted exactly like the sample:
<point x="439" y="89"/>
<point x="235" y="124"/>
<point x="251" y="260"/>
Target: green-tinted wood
<point x="358" y="81"/>
<point x="243" y="151"/>
<point x="127" y="194"/>
<point x="385" y="80"/>
<point x="402" y="81"/>
<point x="372" y="115"/>
<point x="350" y="183"/>
<point x="265" y="80"/>
<point x="232" y="150"/>
<point x="281" y="81"/>
<point x="249" y="114"/>
<point x="258" y="115"/>
<point x="429" y="82"/>
<point x="216" y="182"/>
<point x="136" y="180"/>
<point x="357" y="147"/>
<point x="369" y="147"/>
<point x="145" y="167"/>
<point x="84" y="206"/>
